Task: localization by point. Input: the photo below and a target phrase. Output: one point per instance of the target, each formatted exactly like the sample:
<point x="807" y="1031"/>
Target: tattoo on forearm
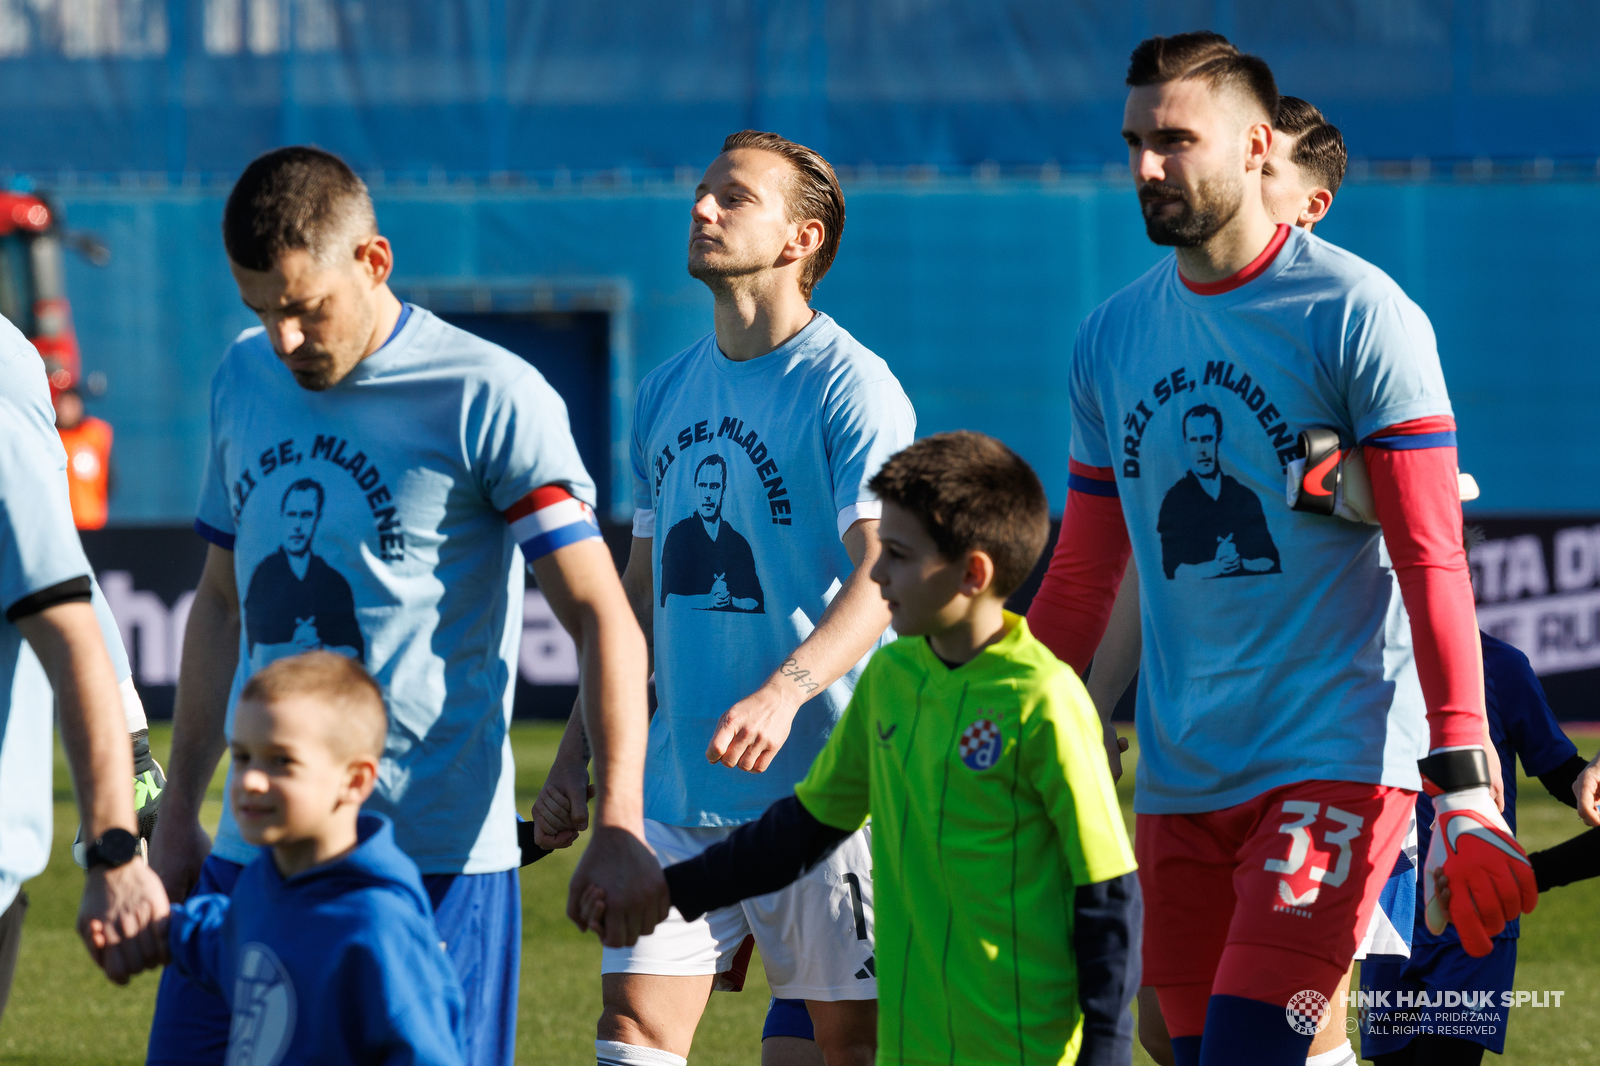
<point x="799" y="675"/>
<point x="583" y="735"/>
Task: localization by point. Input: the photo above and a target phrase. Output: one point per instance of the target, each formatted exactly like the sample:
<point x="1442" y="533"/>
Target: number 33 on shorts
<point x="1306" y="871"/>
<point x="1320" y="849"/>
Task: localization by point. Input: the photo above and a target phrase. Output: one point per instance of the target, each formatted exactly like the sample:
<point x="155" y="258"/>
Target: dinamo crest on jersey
<point x="980" y="745"/>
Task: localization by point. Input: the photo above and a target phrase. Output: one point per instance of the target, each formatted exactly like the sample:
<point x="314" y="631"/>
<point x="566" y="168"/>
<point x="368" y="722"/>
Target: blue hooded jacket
<point x="339" y="964"/>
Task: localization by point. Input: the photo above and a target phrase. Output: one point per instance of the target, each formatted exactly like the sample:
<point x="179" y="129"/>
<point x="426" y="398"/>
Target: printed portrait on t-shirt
<point x="296" y="601"/>
<point x="1210" y="524"/>
<point x="706" y="564"/>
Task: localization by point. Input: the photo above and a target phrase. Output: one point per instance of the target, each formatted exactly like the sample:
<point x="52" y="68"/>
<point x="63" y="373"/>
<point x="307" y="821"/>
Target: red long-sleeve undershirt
<point x="1070" y="610"/>
<point x="1418" y="499"/>
<point x="1412" y="467"/>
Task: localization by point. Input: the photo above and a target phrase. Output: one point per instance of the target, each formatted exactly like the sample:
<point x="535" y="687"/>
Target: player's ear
<point x="806" y="240"/>
<point x="1257" y="146"/>
<point x="1315" y="209"/>
<point x="375" y="259"/>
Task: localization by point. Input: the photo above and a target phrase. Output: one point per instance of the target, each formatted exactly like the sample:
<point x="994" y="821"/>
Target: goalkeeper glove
<point x="1491" y="880"/>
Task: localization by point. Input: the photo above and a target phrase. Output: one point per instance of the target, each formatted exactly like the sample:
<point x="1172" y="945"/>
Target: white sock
<point x="1343" y="1055"/>
<point x="132" y="707"/>
<point x="616" y="1053"/>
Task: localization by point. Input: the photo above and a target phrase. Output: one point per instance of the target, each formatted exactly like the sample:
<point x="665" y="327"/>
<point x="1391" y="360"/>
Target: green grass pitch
<point x="63" y="1012"/>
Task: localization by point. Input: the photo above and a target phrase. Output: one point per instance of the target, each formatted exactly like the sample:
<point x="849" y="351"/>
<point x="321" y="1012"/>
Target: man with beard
<point x="423" y="459"/>
<point x="1286" y="722"/>
<point x="802" y="416"/>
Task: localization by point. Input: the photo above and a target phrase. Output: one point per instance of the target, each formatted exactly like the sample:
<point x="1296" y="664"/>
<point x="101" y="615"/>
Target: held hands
<point x="1115" y="746"/>
<point x="1587" y="790"/>
<point x="123" y="919"/>
<point x="561" y="811"/>
<point x="178" y="849"/>
<point x="1476" y="875"/>
<point x="620" y="872"/>
<point x="752" y="731"/>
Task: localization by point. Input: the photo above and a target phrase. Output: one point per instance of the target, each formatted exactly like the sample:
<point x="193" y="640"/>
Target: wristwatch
<point x="113" y="848"/>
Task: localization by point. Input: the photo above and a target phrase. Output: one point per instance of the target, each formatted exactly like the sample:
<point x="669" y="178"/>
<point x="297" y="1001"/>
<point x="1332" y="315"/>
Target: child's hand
<point x="592" y="910"/>
<point x="1438" y="912"/>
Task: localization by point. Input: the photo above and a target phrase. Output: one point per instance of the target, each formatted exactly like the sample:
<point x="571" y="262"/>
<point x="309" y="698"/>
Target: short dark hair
<point x="1319" y="146"/>
<point x="716" y="460"/>
<point x="342" y="685"/>
<point x="1204" y="409"/>
<point x="972" y="493"/>
<point x="305" y="484"/>
<point x="1208" y="57"/>
<point x="814" y="193"/>
<point x="296" y="198"/>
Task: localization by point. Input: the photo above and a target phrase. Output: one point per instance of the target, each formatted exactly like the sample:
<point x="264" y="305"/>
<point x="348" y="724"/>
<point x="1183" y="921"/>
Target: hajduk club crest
<point x="980" y="745"/>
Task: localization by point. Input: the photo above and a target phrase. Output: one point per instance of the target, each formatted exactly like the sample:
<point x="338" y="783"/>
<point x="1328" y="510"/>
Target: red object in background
<point x="33" y="287"/>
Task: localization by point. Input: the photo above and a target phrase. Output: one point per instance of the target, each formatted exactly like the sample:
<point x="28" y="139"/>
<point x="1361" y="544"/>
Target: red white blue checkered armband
<point x="549" y="518"/>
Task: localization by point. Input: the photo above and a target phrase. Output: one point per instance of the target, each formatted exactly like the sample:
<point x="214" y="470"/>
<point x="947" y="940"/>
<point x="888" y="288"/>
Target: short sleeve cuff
<point x="72" y="590"/>
<point x="644" y="522"/>
<point x="1395" y="414"/>
<point x="214" y="535"/>
<point x="868" y="509"/>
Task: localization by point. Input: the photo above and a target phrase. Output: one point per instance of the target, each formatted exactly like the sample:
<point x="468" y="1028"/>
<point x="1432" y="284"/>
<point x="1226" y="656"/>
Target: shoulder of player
<point x="1347" y="277"/>
<point x="249" y="354"/>
<point x="451" y="350"/>
<point x="1504" y="663"/>
<point x="901" y="655"/>
<point x="844" y="367"/>
<point x="1043" y="683"/>
<point x="667" y="375"/>
<point x="1134" y="297"/>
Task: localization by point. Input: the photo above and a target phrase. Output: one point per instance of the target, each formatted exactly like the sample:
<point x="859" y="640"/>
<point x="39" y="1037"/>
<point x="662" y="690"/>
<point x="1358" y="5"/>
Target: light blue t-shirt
<point x="374" y="519"/>
<point x="1276" y="648"/>
<point x="747" y="474"/>
<point x="39" y="550"/>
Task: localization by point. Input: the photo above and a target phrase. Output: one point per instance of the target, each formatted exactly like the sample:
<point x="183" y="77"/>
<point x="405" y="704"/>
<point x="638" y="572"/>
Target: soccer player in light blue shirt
<point x="45" y="598"/>
<point x="376" y="480"/>
<point x="754" y="532"/>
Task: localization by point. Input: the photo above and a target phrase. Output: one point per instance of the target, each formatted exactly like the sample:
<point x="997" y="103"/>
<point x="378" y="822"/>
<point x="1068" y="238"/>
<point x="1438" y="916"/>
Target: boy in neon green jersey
<point x="1008" y="916"/>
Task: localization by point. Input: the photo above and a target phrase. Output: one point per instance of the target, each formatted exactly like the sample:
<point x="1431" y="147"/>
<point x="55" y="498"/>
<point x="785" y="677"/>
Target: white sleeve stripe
<point x="868" y="509"/>
<point x="550" y="517"/>
<point x="644" y="522"/>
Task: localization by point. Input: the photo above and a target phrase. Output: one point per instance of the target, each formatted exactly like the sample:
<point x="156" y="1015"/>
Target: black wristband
<point x="1452" y="771"/>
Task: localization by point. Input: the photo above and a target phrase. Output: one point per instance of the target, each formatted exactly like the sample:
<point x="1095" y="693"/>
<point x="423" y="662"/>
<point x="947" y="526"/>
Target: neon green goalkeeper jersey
<point x="991" y="801"/>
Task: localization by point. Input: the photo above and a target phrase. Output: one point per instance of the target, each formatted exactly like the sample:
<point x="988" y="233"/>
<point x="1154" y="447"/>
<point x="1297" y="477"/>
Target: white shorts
<point x="815" y="936"/>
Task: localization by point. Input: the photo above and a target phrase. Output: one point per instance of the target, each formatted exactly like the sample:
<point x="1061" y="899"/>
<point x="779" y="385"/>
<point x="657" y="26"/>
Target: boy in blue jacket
<point x="1422" y="1026"/>
<point x="327" y="951"/>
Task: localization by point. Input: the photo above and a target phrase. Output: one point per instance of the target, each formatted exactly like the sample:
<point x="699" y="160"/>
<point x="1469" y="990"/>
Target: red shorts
<point x="1267" y="898"/>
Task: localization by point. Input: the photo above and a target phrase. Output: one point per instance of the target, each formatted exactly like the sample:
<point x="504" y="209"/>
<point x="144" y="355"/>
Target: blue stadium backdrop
<point x="532" y="162"/>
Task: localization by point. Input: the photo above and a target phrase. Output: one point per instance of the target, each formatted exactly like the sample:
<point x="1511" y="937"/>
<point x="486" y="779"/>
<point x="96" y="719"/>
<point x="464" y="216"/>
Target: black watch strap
<point x="1455" y="770"/>
<point x="113" y="848"/>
